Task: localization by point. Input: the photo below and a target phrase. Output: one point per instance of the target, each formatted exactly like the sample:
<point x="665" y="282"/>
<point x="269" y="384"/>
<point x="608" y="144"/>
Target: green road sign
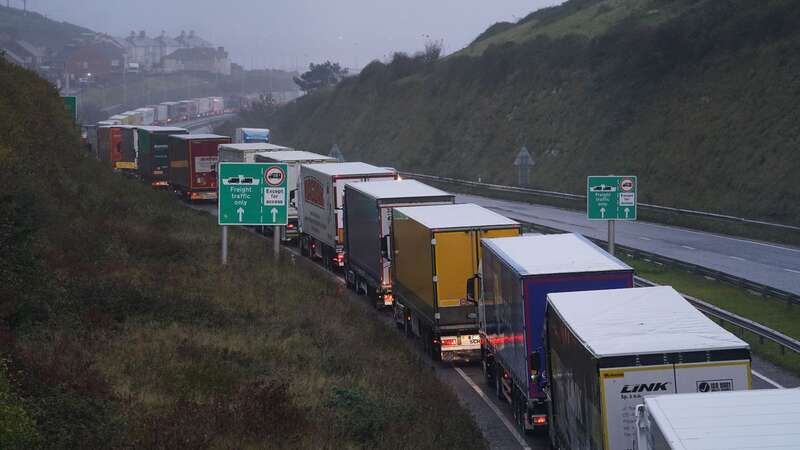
<point x="611" y="198"/>
<point x="71" y="103"/>
<point x="252" y="194"/>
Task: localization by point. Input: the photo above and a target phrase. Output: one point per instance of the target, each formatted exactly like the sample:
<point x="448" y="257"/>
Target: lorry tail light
<point x="505" y="375"/>
<point x="449" y="342"/>
<point x="539" y="420"/>
<point x="435" y="341"/>
<point x="387" y="298"/>
<point x="290" y="226"/>
<point x="195" y="196"/>
<point x="340" y="259"/>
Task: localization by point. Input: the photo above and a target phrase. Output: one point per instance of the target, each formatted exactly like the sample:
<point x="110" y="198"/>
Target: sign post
<point x="253" y="194"/>
<point x="611" y="198"/>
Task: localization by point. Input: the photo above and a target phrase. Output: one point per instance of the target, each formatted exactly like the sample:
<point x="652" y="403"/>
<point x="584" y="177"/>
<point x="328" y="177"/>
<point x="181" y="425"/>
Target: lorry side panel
<point x="575" y="408"/>
<point x="115" y="141"/>
<point x="412" y="265"/>
<point x="536" y="290"/>
<point x="363" y="232"/>
<point x="318" y="219"/>
<point x="620" y="397"/>
<point x="457" y="255"/>
<point x="179" y="163"/>
<point x="204" y="158"/>
<point x="502" y="315"/>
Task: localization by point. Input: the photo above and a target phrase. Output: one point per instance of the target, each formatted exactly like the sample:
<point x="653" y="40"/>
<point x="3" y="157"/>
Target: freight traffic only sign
<point x="611" y="198"/>
<point x="71" y="103"/>
<point x="252" y="194"/>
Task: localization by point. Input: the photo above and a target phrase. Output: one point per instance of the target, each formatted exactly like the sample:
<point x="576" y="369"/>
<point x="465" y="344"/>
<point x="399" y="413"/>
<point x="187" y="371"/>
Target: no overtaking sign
<point x="252" y="194"/>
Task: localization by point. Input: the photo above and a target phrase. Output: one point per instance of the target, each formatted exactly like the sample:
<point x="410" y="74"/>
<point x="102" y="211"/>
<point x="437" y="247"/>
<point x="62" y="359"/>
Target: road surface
<point x="770" y="264"/>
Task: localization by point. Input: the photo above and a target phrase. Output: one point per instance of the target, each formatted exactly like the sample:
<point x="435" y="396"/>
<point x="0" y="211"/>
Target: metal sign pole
<point x="611" y="236"/>
<point x="224" y="245"/>
<point x="276" y="242"/>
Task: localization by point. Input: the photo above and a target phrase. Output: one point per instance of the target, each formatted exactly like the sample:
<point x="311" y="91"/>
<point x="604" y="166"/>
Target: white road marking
<point x="688" y="248"/>
<point x="792" y="270"/>
<point x="494" y="408"/>
<point x="645" y="238"/>
<point x="738" y="258"/>
<point x="768" y="380"/>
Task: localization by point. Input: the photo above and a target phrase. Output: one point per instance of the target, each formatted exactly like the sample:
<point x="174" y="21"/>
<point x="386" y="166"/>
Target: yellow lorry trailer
<point x="436" y="252"/>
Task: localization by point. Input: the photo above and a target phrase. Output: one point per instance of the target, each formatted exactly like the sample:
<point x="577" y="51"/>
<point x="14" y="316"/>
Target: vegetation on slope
<point x="696" y="97"/>
<point x="118" y="329"/>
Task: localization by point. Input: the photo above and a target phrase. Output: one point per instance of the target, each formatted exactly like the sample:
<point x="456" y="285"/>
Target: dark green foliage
<point x="320" y="76"/>
<point x="696" y="97"/>
<point x="121" y="330"/>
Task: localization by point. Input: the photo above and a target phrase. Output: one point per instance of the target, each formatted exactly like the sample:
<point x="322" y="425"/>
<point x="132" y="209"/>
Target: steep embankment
<point x="119" y="329"/>
<point x="697" y="97"/>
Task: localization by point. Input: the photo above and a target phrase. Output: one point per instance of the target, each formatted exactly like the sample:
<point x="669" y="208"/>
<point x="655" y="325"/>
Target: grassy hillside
<point x="118" y="328"/>
<point x="37" y="29"/>
<point x="697" y="97"/>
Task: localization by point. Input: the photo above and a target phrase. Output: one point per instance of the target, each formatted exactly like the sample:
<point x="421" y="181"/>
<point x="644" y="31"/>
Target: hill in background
<point x="38" y="29"/>
<point x="697" y="97"/>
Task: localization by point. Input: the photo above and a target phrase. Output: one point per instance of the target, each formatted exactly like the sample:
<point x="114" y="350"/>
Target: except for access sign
<point x="611" y="198"/>
<point x="252" y="194"/>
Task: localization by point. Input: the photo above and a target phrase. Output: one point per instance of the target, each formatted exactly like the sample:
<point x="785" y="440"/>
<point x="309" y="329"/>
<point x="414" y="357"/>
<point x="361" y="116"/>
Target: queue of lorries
<point x="562" y="335"/>
<point x="168" y="112"/>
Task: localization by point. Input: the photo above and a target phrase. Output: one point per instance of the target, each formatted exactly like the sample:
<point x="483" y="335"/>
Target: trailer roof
<point x="294" y="156"/>
<point x="164" y="129"/>
<point x="397" y="189"/>
<point x="638" y="321"/>
<point x="464" y="215"/>
<point x="254" y="147"/>
<point x="349" y="168"/>
<point x="535" y="254"/>
<point x="763" y="419"/>
<point x="189" y="137"/>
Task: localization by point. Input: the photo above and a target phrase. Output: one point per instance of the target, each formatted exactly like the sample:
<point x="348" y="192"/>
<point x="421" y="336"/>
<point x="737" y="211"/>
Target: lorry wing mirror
<point x="534" y="365"/>
<point x="473" y="289"/>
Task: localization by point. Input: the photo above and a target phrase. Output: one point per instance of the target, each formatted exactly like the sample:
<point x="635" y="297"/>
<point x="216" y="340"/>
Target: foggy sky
<point x="291" y="33"/>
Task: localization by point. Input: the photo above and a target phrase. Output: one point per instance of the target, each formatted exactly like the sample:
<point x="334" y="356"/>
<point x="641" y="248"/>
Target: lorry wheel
<point x="488" y="371"/>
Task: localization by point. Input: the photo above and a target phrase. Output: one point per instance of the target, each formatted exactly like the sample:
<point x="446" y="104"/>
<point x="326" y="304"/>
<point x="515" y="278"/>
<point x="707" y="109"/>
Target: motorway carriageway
<point x="466" y="380"/>
<point x="774" y="265"/>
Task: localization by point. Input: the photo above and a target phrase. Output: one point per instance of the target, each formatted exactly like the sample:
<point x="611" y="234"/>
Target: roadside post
<point x="611" y="198"/>
<point x="252" y="194"/>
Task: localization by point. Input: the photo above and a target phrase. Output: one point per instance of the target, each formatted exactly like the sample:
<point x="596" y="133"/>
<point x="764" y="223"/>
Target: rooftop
<point x="397" y="189"/>
<point x="349" y="168"/>
<point x="455" y="216"/>
<point x="737" y="420"/>
<point x="553" y="254"/>
<point x="639" y="321"/>
<point x="292" y="156"/>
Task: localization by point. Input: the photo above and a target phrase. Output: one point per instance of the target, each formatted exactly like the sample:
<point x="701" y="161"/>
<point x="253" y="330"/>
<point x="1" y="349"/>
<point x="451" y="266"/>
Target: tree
<point x="320" y="75"/>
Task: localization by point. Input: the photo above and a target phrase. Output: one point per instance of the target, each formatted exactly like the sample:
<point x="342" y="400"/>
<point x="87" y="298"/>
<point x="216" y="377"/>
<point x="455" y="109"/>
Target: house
<point x="101" y="59"/>
<point x="199" y="59"/>
<point x="21" y="52"/>
<point x="142" y="50"/>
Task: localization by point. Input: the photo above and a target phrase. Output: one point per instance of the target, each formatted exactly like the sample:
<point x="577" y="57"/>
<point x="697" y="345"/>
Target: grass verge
<point x="768" y="311"/>
<point x="119" y="329"/>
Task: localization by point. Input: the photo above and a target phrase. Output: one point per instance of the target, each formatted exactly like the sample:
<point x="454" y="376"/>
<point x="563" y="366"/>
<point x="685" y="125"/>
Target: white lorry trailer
<point x="368" y="230"/>
<point x="610" y="349"/>
<point x="321" y="201"/>
<point x="762" y="419"/>
<point x="246" y="152"/>
<point x="293" y="159"/>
